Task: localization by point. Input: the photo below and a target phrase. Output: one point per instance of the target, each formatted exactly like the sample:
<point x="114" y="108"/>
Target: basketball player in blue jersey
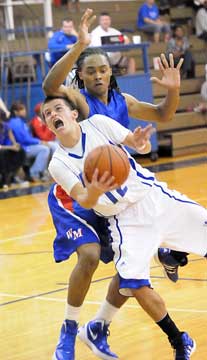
<point x="100" y="95"/>
<point x="135" y="211"/>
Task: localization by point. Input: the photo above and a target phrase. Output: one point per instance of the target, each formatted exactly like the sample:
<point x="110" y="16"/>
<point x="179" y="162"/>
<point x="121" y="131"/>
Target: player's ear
<point x="80" y="75"/>
<point x="75" y="114"/>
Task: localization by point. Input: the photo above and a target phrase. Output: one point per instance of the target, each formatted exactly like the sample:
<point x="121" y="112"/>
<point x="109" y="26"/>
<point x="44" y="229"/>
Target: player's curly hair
<point x="88" y="52"/>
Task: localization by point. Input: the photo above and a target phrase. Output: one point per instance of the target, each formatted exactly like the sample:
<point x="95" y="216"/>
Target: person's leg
<point x="154" y="30"/>
<point x="95" y="333"/>
<point x="41" y="154"/>
<point x="131" y="67"/>
<point x="155" y="307"/>
<point x="74" y="234"/>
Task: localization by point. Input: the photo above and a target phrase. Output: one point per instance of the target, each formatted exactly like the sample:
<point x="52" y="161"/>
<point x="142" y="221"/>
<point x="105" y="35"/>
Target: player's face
<point x="60" y="119"/>
<point x="96" y="73"/>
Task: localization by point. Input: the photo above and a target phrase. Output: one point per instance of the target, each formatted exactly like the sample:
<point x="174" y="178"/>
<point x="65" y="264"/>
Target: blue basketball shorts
<point x="76" y="226"/>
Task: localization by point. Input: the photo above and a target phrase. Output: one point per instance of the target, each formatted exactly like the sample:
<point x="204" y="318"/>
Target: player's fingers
<point x="160" y="64"/>
<point x="95" y="175"/>
<point x="91" y="20"/>
<point x="171" y="58"/>
<point x="164" y="61"/>
<point x="155" y="80"/>
<point x="180" y="63"/>
<point x="105" y="177"/>
<point x="86" y="15"/>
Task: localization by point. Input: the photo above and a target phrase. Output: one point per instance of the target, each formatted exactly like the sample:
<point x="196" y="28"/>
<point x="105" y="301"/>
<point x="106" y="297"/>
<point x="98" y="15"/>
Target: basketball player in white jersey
<point x="135" y="211"/>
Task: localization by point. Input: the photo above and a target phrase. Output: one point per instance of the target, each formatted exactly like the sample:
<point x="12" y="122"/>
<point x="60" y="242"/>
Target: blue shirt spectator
<point x="147" y="11"/>
<point x="36" y="150"/>
<point x="148" y="20"/>
<point x="62" y="40"/>
<point x="22" y="132"/>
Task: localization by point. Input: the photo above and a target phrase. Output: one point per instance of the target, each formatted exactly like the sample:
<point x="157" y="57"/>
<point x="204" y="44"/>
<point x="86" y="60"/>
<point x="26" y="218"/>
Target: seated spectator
<point x="62" y="40"/>
<point x="35" y="149"/>
<point x="179" y="46"/>
<point x="149" y="21"/>
<point x="41" y="131"/>
<point x="202" y="106"/>
<point x="12" y="156"/>
<point x="104" y="29"/>
<point x="201" y="22"/>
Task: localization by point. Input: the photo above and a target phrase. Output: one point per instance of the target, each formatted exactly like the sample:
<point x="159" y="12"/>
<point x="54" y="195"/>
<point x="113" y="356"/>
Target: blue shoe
<point x="65" y="349"/>
<point x="169" y="263"/>
<point x="183" y="346"/>
<point x="94" y="334"/>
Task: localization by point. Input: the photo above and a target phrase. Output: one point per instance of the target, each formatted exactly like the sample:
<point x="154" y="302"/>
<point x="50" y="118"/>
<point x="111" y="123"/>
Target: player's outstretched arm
<point x="58" y="73"/>
<point x="165" y="110"/>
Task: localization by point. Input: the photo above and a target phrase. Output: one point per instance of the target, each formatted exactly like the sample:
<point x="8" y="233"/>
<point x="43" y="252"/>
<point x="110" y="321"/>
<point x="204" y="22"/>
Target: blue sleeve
<point x="142" y="13"/>
<point x="22" y="134"/>
<point x="57" y="42"/>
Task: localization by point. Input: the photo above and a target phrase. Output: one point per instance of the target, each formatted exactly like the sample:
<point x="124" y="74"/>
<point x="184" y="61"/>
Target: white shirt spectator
<point x="96" y="35"/>
<point x="201" y="21"/>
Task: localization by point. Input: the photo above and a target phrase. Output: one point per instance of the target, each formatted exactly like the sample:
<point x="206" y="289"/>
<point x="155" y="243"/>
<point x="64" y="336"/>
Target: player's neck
<point x="69" y="140"/>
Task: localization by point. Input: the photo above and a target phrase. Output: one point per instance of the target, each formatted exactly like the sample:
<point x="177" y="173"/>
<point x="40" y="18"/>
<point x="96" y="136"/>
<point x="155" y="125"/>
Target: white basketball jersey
<point x="67" y="165"/>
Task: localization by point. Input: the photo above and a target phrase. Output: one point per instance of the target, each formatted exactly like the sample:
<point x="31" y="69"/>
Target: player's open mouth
<point x="58" y="124"/>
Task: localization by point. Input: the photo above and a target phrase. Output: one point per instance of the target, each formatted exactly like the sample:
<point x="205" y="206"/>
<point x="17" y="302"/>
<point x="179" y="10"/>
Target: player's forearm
<point x="87" y="201"/>
<point x="58" y="73"/>
<point x="168" y="106"/>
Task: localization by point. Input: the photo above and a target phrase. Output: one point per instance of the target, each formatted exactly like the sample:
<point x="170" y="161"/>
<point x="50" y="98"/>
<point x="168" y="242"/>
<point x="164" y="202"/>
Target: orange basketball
<point x="109" y="158"/>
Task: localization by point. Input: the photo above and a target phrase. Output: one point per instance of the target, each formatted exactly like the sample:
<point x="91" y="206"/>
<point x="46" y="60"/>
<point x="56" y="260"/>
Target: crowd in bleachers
<point x="26" y="146"/>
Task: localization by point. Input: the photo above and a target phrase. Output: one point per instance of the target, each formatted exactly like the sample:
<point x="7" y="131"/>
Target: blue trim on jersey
<point x="133" y="283"/>
<point x="83" y="148"/>
<point x="119" y="191"/>
<point x="146" y="183"/>
<point x="173" y="197"/>
<point x="121" y="239"/>
<point x="133" y="164"/>
<point x="111" y="197"/>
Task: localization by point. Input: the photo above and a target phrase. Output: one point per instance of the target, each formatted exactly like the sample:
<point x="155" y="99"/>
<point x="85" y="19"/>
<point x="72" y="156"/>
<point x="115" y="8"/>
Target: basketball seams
<point x="118" y="153"/>
<point x="98" y="157"/>
<point x="108" y="148"/>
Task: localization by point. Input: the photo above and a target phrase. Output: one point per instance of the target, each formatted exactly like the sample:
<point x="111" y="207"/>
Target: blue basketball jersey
<point x="115" y="109"/>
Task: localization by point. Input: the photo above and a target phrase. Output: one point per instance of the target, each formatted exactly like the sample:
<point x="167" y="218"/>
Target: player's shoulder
<point x="99" y="119"/>
<point x="58" y="158"/>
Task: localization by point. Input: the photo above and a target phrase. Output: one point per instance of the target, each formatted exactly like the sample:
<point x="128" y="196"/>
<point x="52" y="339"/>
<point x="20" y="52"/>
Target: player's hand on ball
<point x="100" y="185"/>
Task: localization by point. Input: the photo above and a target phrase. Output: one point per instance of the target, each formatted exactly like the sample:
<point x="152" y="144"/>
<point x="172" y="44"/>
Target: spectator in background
<point x="104" y="29"/>
<point x="62" y="40"/>
<point x="179" y="46"/>
<point x="73" y="5"/>
<point x="201" y="22"/>
<point x="41" y="131"/>
<point x="12" y="156"/>
<point x="148" y="21"/>
<point x="202" y="106"/>
<point x="35" y="149"/>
